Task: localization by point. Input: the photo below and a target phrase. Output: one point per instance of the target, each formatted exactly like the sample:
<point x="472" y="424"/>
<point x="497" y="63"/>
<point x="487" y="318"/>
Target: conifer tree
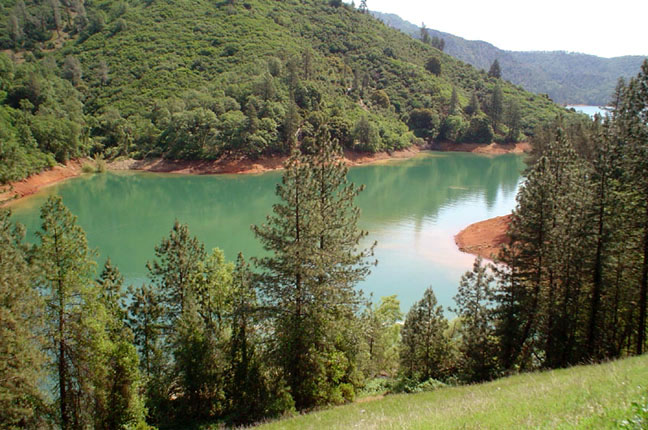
<point x="21" y="358"/>
<point x="118" y="398"/>
<point x="310" y="275"/>
<point x="65" y="270"/>
<point x="425" y="36"/>
<point x="474" y="302"/>
<point x="382" y="336"/>
<point x="496" y="108"/>
<point x="425" y="348"/>
<point x="495" y="71"/>
<point x="632" y="120"/>
<point x="454" y="102"/>
<point x="363" y="6"/>
<point x="177" y="263"/>
<point x="247" y="388"/>
<point x="473" y="108"/>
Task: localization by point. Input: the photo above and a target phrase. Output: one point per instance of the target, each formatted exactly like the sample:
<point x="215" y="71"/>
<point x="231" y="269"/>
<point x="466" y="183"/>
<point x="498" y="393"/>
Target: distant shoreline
<point x="15" y="191"/>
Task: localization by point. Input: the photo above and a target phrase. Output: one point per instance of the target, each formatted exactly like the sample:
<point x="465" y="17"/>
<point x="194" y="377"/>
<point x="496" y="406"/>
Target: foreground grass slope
<point x="583" y="397"/>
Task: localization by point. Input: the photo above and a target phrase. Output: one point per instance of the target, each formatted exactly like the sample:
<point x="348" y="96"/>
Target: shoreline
<point x="483" y="148"/>
<point x="15" y="191"/>
<point x="484" y="238"/>
<point x="18" y="190"/>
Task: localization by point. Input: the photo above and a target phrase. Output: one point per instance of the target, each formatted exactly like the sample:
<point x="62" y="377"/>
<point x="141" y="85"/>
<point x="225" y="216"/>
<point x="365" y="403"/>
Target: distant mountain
<point x="568" y="78"/>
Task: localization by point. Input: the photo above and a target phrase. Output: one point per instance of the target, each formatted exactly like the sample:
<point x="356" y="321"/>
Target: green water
<point x="413" y="208"/>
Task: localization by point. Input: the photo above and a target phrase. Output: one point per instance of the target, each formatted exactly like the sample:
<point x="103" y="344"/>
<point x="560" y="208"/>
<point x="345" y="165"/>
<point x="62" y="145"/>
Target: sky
<point x="603" y="28"/>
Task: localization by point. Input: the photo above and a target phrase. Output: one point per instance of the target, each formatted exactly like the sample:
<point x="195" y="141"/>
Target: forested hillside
<point x="197" y="79"/>
<point x="567" y="77"/>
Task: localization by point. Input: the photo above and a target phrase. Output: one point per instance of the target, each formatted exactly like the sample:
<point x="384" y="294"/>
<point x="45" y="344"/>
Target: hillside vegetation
<point x="583" y="397"/>
<point x="198" y="79"/>
<point x="567" y="77"/>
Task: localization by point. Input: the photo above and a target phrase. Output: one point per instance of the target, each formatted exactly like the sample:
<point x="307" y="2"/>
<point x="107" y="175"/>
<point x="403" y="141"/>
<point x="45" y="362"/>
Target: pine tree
<point x="496" y="108"/>
<point x="118" y="398"/>
<point x="382" y="333"/>
<point x="513" y="121"/>
<point x="632" y="120"/>
<point x="310" y="275"/>
<point x="178" y="259"/>
<point x="65" y="268"/>
<point x="495" y="71"/>
<point x="454" y="102"/>
<point x="474" y="302"/>
<point x="247" y="389"/>
<point x="425" y="348"/>
<point x="474" y="107"/>
<point x="21" y="359"/>
<point x="425" y="36"/>
<point x="363" y="6"/>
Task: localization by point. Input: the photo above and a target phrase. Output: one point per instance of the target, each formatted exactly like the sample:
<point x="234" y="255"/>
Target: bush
<point x="480" y="130"/>
<point x="452" y="128"/>
<point x="424" y="122"/>
<point x="380" y="98"/>
<point x="407" y="385"/>
<point x="433" y="66"/>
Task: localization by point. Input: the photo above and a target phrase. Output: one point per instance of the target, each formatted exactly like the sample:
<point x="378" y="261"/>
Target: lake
<point x="589" y="110"/>
<point x="413" y="208"/>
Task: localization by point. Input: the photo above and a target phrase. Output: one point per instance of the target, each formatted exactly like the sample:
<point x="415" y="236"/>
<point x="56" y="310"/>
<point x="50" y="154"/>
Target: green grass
<point x="583" y="397"/>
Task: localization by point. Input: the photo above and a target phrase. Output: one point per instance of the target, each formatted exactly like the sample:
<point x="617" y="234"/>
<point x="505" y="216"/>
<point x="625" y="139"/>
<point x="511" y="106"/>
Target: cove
<point x="412" y="208"/>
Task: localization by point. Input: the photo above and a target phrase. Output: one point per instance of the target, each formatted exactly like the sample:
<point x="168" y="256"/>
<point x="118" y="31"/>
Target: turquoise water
<point x="413" y="208"/>
<point x="589" y="110"/>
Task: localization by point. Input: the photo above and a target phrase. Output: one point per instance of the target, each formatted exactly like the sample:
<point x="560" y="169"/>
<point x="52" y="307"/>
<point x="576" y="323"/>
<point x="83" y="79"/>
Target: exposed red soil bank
<point x="484" y="238"/>
<point x="30" y="185"/>
<point x="483" y="148"/>
<point x="231" y="165"/>
<point x="241" y="165"/>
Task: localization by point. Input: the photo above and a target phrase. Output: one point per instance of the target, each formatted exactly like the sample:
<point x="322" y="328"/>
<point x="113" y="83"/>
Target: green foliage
<point x="424" y="122"/>
<point x="567" y="77"/>
<point x="478" y="347"/>
<point x="495" y="70"/>
<point x="21" y="356"/>
<point x="479" y="130"/>
<point x="309" y="277"/>
<point x="411" y="386"/>
<point x="639" y="418"/>
<point x="433" y="65"/>
<point x="568" y="293"/>
<point x="425" y="347"/>
<point x="91" y="358"/>
<point x="176" y="80"/>
<point x="381" y="327"/>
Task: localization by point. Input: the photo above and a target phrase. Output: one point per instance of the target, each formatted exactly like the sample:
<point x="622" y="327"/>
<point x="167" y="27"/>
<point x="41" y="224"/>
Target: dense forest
<point x="567" y="77"/>
<point x="192" y="79"/>
<point x="205" y="341"/>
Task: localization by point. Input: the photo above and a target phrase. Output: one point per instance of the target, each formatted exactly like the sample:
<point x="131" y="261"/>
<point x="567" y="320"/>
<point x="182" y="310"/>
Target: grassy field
<point x="583" y="397"/>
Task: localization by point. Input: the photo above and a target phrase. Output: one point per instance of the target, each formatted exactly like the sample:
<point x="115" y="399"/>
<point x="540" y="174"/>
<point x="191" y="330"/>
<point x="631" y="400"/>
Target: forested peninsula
<point x="198" y="80"/>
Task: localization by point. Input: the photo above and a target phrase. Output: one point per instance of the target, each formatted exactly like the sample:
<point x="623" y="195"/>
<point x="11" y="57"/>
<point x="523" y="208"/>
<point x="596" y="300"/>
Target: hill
<point x="583" y="397"/>
<point x="567" y="77"/>
<point x="198" y="79"/>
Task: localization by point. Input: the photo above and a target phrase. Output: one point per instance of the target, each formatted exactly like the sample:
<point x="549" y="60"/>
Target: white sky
<point x="603" y="28"/>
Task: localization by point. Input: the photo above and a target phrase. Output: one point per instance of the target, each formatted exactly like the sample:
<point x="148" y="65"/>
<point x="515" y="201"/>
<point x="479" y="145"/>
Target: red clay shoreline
<point x="484" y="238"/>
<point x="15" y="191"/>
